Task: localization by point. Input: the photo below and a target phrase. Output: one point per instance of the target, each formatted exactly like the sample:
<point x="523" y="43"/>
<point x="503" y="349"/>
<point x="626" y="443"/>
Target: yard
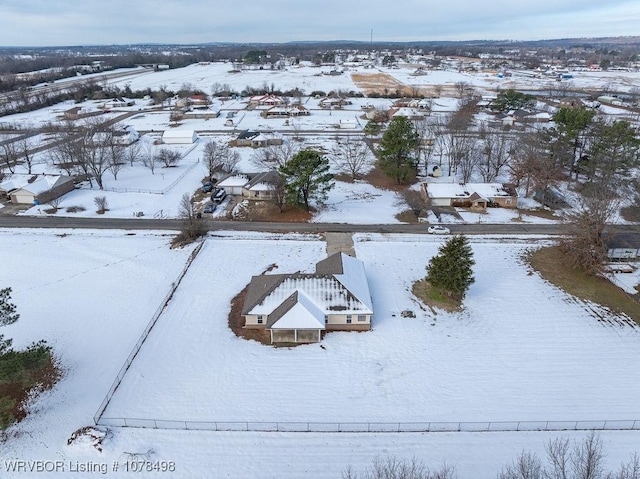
<point x="508" y="356"/>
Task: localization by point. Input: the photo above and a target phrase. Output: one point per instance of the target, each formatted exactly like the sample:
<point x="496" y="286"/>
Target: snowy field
<point x="520" y="350"/>
<point x="508" y="357"/>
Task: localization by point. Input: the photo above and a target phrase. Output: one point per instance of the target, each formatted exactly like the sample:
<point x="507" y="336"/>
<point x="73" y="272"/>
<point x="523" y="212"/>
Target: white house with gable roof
<point x="298" y="307"/>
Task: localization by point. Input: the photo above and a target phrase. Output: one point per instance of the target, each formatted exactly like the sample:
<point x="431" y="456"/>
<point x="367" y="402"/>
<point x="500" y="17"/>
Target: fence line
<point x="151" y="191"/>
<point x="136" y="348"/>
<point x="373" y="427"/>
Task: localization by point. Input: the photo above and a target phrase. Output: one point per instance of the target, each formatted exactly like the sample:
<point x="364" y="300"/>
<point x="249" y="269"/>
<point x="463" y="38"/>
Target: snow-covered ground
<point x="137" y="190"/>
<point x="521" y="350"/>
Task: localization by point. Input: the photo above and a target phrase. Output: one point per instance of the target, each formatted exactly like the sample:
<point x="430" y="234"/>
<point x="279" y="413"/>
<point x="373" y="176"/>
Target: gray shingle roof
<point x="259" y="288"/>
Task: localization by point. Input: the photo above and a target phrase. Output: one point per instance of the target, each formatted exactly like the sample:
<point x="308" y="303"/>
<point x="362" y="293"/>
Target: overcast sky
<point x="90" y="22"/>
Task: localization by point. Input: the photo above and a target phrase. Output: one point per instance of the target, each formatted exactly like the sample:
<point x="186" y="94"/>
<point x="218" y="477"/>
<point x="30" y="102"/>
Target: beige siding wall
<point x="251" y="321"/>
<point x="506" y="202"/>
<point x="341" y="321"/>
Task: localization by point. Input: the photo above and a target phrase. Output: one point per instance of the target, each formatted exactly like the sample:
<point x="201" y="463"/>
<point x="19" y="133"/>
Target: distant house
<point x="78" y="112"/>
<point x="623" y="246"/>
<point x="255" y="186"/>
<point x="198" y="102"/>
<point x="333" y="102"/>
<point x="42" y="189"/>
<point x="266" y="100"/>
<point x="256" y="139"/>
<point x="285" y="111"/>
<point x="174" y="136"/>
<point x="261" y="185"/>
<point x="233" y="184"/>
<point x="123" y="136"/>
<point x="119" y="102"/>
<point x="298" y="307"/>
<point x="471" y="195"/>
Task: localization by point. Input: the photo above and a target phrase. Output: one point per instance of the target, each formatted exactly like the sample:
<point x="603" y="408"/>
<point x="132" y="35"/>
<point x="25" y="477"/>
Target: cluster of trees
<point x="92" y="148"/>
<point x="595" y="156"/>
<point x="564" y="460"/>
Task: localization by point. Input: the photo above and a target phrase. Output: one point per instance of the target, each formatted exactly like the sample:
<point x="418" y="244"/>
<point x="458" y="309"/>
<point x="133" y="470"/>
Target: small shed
<point x="348" y="124"/>
<point x="179" y="137"/>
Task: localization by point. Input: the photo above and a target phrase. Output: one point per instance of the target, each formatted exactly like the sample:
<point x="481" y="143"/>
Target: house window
<point x="362" y="317"/>
<point x="348" y="319"/>
<point x="508" y="201"/>
<point x="260" y="318"/>
<point x="326" y="319"/>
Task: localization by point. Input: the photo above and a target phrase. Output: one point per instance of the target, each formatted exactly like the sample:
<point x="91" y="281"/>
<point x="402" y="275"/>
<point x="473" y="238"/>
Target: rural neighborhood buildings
<point x="298" y="307"/>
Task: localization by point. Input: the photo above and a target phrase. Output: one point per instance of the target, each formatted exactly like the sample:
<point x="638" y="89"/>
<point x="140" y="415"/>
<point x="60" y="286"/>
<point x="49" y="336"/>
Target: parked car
<point x="438" y="230"/>
<point x="218" y="196"/>
<point x="209" y="208"/>
<point x="207" y="187"/>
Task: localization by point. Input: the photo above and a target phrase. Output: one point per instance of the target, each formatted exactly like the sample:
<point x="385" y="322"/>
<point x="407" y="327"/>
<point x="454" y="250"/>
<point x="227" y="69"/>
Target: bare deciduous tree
<point x="278" y="192"/>
<point x="272" y="157"/>
<point x="582" y="461"/>
<point x="415" y="201"/>
<point x="25" y="147"/>
<point x="219" y="158"/>
<point x="168" y="157"/>
<point x="351" y="156"/>
<point x="192" y="225"/>
<point x="9" y="157"/>
<point x="149" y="157"/>
<point x="393" y="468"/>
<point x="101" y="203"/>
<point x="526" y="466"/>
<point x="132" y="153"/>
<point x="497" y="152"/>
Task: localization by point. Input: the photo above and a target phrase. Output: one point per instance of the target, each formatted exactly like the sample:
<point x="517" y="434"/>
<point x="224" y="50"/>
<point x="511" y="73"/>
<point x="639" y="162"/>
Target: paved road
<point x="218" y="225"/>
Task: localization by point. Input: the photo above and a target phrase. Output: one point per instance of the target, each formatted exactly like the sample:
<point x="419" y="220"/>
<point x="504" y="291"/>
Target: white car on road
<point x="438" y="230"/>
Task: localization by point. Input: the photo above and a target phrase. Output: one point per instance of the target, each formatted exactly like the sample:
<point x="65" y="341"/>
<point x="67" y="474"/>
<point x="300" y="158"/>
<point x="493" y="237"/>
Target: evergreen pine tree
<point x="450" y="271"/>
<point x="307" y="178"/>
<point x="8" y="313"/>
<point x="397" y="150"/>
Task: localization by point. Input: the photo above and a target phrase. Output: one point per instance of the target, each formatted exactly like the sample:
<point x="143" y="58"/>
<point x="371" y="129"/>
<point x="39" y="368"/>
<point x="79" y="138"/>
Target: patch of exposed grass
<point x="407" y="216"/>
<point x="379" y="179"/>
<point x="268" y="211"/>
<point x="631" y="213"/>
<point x="434" y="298"/>
<point x="23" y="373"/>
<point x="551" y="263"/>
<point x="539" y="213"/>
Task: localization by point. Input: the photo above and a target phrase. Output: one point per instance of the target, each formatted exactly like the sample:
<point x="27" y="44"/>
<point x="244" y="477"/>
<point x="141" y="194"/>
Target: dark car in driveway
<point x="207" y="187"/>
<point x="209" y="208"/>
<point x="218" y="195"/>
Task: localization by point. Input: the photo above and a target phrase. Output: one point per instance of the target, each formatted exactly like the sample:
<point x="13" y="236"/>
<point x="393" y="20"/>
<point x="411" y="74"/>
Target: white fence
<point x="143" y="337"/>
<point x="373" y="427"/>
<point x="153" y="191"/>
<point x="166" y="188"/>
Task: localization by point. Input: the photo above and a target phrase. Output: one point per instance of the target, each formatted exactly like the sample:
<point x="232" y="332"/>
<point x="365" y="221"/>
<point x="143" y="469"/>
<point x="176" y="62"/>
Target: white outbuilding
<point x="179" y="137"/>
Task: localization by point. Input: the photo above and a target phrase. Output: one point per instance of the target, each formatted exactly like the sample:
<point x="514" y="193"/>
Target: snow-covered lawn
<point x="521" y="350"/>
<point x="360" y="203"/>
